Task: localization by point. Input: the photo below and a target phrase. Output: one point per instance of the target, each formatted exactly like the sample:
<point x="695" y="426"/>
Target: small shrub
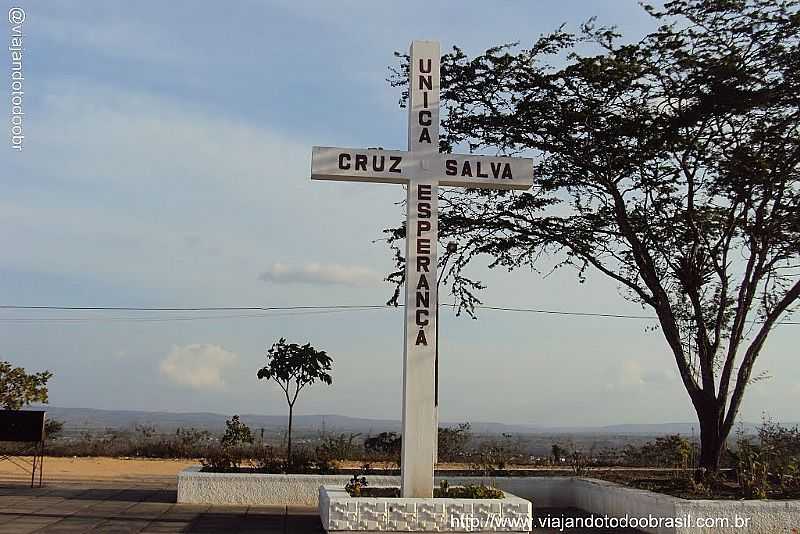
<point x="265" y="460"/>
<point x="302" y="462"/>
<point x="672" y="451"/>
<point x="338" y="447"/>
<point x="780" y="449"/>
<point x="222" y="460"/>
<point x="751" y="470"/>
<point x="236" y="433"/>
<point x="305" y="462"/>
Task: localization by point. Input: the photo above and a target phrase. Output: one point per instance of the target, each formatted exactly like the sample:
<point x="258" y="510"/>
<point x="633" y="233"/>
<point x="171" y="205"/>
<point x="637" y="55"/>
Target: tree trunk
<point x="712" y="440"/>
<point x="289" y="441"/>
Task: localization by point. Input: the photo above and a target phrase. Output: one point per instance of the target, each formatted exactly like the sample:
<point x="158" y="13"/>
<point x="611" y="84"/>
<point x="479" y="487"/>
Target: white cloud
<point x="631" y="375"/>
<point x="116" y="37"/>
<point x="198" y="366"/>
<point x="321" y="274"/>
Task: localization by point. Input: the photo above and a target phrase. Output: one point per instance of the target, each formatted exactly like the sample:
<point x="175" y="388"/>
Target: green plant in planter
<point x="780" y="449"/>
<point x="293" y="367"/>
<point x="751" y="470"/>
<point x="474" y="491"/>
<point x="355" y="485"/>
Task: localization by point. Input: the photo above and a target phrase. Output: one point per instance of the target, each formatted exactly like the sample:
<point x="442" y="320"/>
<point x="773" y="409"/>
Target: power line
<point x="175" y="309"/>
<point x="288" y="311"/>
<point x="557" y="312"/>
<point x="165" y="319"/>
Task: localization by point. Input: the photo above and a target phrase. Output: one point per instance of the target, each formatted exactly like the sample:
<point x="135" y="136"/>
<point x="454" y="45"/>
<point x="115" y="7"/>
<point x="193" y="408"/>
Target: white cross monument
<point x="423" y="169"/>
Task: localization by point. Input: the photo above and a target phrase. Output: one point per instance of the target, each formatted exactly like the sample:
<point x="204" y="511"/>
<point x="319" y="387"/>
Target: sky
<point x="166" y="163"/>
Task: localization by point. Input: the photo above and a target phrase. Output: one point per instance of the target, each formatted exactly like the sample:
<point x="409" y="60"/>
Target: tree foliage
<point x="53" y="428"/>
<point x="384" y="445"/>
<point x="19" y="388"/>
<point x="452" y="442"/>
<point x="669" y="165"/>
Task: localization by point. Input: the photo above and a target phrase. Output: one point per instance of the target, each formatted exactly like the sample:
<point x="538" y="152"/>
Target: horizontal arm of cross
<point x="399" y="167"/>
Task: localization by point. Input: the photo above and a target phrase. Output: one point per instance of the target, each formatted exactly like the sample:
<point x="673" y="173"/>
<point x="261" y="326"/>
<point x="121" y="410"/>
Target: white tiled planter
<point x="340" y="514"/>
<point x="595" y="496"/>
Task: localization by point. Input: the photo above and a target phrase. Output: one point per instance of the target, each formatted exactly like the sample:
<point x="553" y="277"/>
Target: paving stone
<point x="28" y="525"/>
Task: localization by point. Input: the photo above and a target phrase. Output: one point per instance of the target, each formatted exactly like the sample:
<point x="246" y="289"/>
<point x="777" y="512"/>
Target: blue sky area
<point x="166" y="163"/>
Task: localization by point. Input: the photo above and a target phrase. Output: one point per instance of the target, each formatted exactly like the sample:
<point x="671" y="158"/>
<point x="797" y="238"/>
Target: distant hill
<point x="90" y="418"/>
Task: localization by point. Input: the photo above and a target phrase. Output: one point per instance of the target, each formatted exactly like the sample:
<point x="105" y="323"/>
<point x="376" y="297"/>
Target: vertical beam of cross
<point x="419" y="361"/>
<point x="422" y="168"/>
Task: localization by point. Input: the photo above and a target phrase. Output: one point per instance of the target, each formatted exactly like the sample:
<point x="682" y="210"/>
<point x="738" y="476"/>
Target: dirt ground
<point x="77" y="469"/>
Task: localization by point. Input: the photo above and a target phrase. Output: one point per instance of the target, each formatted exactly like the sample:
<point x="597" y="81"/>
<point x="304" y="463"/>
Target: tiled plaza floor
<point x="128" y="507"/>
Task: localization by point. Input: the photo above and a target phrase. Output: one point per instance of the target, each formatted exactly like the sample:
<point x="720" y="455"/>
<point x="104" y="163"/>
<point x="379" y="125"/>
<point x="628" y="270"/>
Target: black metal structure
<point x="24" y="427"/>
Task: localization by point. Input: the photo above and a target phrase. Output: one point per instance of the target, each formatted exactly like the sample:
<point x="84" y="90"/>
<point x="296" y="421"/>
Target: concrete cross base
<point x="342" y="514"/>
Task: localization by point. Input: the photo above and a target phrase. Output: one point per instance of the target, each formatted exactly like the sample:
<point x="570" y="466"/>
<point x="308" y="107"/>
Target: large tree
<point x="669" y="165"/>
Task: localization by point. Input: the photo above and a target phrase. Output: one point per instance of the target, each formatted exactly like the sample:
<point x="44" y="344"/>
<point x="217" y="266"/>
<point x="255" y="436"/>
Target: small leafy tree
<point x="293" y="367"/>
<point x="19" y="388"/>
<point x="236" y="433"/>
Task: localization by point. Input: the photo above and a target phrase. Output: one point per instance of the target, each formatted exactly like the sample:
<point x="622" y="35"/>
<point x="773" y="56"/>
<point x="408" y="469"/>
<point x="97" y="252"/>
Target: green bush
<point x="780" y="448"/>
<point x="236" y="433"/>
<point x="470" y="491"/>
